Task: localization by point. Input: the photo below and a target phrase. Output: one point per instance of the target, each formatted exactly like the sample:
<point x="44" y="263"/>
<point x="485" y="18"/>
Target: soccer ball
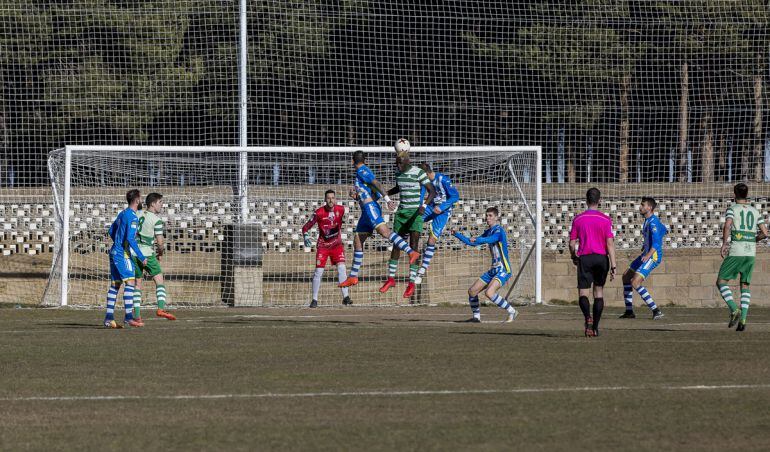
<point x="402" y="146"/>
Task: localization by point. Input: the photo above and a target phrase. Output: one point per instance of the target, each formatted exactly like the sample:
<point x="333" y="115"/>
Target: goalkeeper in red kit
<point x="329" y="219"/>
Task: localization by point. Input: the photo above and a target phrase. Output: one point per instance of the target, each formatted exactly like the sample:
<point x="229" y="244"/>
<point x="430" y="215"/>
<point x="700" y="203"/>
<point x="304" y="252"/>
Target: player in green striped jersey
<point x="739" y="250"/>
<point x="415" y="192"/>
<point x="150" y="239"/>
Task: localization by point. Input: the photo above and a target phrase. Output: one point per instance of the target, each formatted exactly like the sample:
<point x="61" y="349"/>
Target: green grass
<point x="332" y="379"/>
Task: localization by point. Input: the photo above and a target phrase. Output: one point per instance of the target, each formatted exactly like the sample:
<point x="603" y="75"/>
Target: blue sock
<point x="628" y="296"/>
<point x="646" y="297"/>
<point x="128" y="302"/>
<point x="475" y="309"/>
<point x="426" y="257"/>
<point x="358" y="259"/>
<point x="112" y="295"/>
<point x="503" y="303"/>
<point x="400" y="243"/>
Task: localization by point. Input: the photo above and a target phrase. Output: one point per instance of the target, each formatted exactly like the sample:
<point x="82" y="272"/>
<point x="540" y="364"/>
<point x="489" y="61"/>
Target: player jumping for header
<point x="368" y="190"/>
<point x="123" y="234"/>
<point x="415" y="193"/>
<point x="437" y="213"/>
<point x="653" y="231"/>
<point x="329" y="218"/>
<point x="496" y="277"/>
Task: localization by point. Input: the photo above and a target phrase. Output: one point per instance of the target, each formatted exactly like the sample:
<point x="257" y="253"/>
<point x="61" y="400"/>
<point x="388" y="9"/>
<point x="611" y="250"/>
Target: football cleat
<point x="590" y="332"/>
<point x="347" y="301"/>
<point x="351" y="281"/>
<point x="657" y="314"/>
<point x="628" y="315"/>
<point x="390" y="282"/>
<point x="313" y="304"/>
<point x="133" y="323"/>
<point x="112" y="324"/>
<point x="139" y="321"/>
<point x="164" y="314"/>
<point x="741" y="326"/>
<point x="589" y="322"/>
<point x="511" y="317"/>
<point x="413" y="257"/>
<point x="734" y="317"/>
<point x="418" y="279"/>
<point x="409" y="290"/>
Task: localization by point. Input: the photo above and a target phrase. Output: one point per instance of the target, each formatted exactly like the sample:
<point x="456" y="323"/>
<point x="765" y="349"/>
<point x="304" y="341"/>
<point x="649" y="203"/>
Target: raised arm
<point x="431" y="193"/>
<point x="452" y="195"/>
<point x="463" y="238"/>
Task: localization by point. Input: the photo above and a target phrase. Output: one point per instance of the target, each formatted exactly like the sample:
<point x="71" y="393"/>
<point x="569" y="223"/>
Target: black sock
<point x="598" y="308"/>
<point x="585" y="306"/>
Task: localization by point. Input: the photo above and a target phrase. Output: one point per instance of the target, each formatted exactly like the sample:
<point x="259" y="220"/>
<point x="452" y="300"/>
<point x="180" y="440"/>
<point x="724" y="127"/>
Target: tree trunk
<point x="624" y="128"/>
<point x="683" y="124"/>
<point x="757" y="151"/>
<point x="707" y="148"/>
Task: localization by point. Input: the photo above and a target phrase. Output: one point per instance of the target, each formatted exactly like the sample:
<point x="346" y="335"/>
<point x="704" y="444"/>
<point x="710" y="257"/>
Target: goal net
<point x="237" y="241"/>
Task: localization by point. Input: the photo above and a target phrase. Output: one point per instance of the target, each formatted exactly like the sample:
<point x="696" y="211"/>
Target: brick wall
<point x="686" y="277"/>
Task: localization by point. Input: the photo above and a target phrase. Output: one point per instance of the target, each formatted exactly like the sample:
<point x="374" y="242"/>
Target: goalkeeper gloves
<point x="308" y="243"/>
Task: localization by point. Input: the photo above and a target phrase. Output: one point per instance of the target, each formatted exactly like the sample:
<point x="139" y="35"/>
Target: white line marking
<point x="290" y="395"/>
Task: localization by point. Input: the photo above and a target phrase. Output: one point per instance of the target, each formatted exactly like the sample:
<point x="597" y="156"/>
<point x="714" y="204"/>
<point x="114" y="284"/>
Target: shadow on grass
<point x="514" y="333"/>
<point x="78" y="325"/>
<point x="285" y="322"/>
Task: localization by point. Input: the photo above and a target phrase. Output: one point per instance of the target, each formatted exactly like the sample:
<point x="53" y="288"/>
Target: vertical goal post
<point x="526" y="186"/>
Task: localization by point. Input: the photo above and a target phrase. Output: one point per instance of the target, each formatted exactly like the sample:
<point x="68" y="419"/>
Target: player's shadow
<point x="511" y="333"/>
<point x="285" y="322"/>
<point x="422" y="320"/>
<point x="646" y="330"/>
<point x="77" y="325"/>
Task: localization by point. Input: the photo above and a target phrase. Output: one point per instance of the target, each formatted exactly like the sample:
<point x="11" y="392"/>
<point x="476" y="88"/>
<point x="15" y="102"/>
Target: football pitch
<point x="409" y="378"/>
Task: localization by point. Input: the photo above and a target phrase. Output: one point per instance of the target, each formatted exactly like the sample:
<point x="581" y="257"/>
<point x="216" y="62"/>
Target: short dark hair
<point x="494" y="210"/>
<point x="741" y="191"/>
<point x="329" y="191"/>
<point x="152" y="198"/>
<point x="425" y="166"/>
<point x="358" y="157"/>
<point x="650" y="201"/>
<point x="593" y="195"/>
<point x="133" y="195"/>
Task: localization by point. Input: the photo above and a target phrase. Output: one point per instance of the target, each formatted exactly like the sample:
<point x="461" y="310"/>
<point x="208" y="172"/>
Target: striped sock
<point x="426" y="258"/>
<point x="745" y="301"/>
<point x="112" y="295"/>
<point x="503" y="303"/>
<point x="646" y="297"/>
<point x="727" y="295"/>
<point x="413" y="272"/>
<point x="358" y="259"/>
<point x="128" y="302"/>
<point x="400" y="243"/>
<point x="628" y="297"/>
<point x="475" y="307"/>
<point x="392" y="268"/>
<point x="137" y="303"/>
<point x="160" y="294"/>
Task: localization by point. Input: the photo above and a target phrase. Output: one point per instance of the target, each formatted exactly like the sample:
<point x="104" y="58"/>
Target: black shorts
<point x="592" y="269"/>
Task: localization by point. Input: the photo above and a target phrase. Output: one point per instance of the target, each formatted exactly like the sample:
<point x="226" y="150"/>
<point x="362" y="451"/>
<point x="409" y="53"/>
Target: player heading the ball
<point x="329" y="218"/>
<point x="368" y="191"/>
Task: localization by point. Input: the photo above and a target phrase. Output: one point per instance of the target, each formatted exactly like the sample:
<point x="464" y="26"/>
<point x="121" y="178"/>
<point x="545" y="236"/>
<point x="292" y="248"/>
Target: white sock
<point x="317" y="282"/>
<point x="342" y="275"/>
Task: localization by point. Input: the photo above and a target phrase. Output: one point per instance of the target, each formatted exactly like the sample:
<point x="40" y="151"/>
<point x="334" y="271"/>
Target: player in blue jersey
<point x="123" y="234"/>
<point x="367" y="190"/>
<point x="437" y="213"/>
<point x="652" y="255"/>
<point x="500" y="272"/>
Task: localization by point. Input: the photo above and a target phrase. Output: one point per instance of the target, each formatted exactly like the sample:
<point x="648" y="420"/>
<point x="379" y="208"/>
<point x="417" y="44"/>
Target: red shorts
<point x="322" y="254"/>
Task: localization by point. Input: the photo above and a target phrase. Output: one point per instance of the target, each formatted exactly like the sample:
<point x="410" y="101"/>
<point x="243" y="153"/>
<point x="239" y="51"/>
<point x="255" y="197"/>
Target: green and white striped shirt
<point x="743" y="234"/>
<point x="150" y="225"/>
<point x="410" y="184"/>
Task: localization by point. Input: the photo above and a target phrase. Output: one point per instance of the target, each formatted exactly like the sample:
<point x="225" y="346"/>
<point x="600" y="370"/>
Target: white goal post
<point x="216" y="207"/>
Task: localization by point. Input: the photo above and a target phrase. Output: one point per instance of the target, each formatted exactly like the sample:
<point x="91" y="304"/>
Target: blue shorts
<point x="121" y="268"/>
<point x="645" y="268"/>
<point x="497" y="273"/>
<point x="371" y="217"/>
<point x="437" y="221"/>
